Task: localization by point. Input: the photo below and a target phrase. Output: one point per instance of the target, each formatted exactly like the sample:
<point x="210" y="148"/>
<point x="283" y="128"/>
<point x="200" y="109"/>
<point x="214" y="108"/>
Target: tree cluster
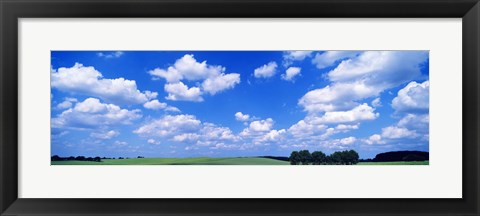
<point x="304" y="157"/>
<point x="78" y="158"/>
<point x="401" y="156"/>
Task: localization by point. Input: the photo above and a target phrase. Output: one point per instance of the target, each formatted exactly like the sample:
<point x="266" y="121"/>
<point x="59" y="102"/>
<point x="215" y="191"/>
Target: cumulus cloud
<point x="90" y="82"/>
<point x="272" y="136"/>
<point x="157" y="105"/>
<point x="239" y="116"/>
<point x="374" y="139"/>
<point x="214" y="79"/>
<point x="261" y="125"/>
<point x="181" y="92"/>
<point x="418" y="122"/>
<point x="109" y="55"/>
<point x="394" y="132"/>
<point x="153" y="142"/>
<point x="362" y="112"/>
<point x="414" y="97"/>
<point x="105" y="135"/>
<point x="343" y="143"/>
<point x="266" y="71"/>
<point x="220" y="83"/>
<point x="346" y="127"/>
<point x="376" y="102"/>
<point x="120" y="143"/>
<point x="169" y="125"/>
<point x="363" y="76"/>
<point x="304" y="128"/>
<point x="291" y="56"/>
<point x="67" y="103"/>
<point x="91" y="113"/>
<point x="290" y="73"/>
<point x="328" y="58"/>
<point x="187" y="128"/>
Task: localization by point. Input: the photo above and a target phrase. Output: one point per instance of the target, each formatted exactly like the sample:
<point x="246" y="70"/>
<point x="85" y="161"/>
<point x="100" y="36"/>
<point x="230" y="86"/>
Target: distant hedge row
<point x="83" y="158"/>
<point x="304" y="157"/>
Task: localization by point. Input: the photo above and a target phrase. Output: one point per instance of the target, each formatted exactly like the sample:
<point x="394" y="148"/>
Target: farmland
<point x="209" y="161"/>
<point x="179" y="161"/>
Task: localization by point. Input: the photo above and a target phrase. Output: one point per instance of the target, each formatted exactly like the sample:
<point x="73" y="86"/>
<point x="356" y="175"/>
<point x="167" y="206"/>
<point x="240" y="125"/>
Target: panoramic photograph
<point x="305" y="107"/>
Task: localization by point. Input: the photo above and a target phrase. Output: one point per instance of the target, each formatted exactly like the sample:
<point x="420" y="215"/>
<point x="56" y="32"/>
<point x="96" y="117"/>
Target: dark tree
<point x="56" y="158"/>
<point x="336" y="158"/>
<point x="354" y="157"/>
<point x="401" y="156"/>
<point x="80" y="158"/>
<point x="97" y="159"/>
<point x="305" y="157"/>
<point x="295" y="158"/>
<point x="318" y="158"/>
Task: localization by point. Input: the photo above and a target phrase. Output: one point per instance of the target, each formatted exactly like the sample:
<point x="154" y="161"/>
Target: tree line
<point x="83" y="158"/>
<point x="78" y="158"/>
<point x="304" y="157"/>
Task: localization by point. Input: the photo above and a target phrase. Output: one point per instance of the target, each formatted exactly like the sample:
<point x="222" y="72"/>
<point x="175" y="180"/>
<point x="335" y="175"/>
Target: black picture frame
<point x="12" y="10"/>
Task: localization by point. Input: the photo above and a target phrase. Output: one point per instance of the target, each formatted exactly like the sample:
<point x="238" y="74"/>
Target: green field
<point x="395" y="163"/>
<point x="209" y="161"/>
<point x="179" y="161"/>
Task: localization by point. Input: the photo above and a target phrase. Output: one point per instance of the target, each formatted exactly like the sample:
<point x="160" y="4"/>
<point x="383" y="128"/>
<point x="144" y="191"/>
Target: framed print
<point x="239" y="108"/>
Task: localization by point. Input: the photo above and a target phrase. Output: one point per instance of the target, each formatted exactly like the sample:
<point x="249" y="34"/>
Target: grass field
<point x="395" y="163"/>
<point x="179" y="161"/>
<point x="209" y="161"/>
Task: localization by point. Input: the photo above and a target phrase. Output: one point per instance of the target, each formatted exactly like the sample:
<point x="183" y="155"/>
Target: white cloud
<point x="67" y="103"/>
<point x="109" y="55"/>
<point x="172" y="109"/>
<point x="364" y="76"/>
<point x="346" y="127"/>
<point x="291" y="72"/>
<point x="105" y="135"/>
<point x="343" y="143"/>
<point x="220" y="83"/>
<point x="376" y="102"/>
<point x="214" y="78"/>
<point x="414" y="97"/>
<point x="188" y="68"/>
<point x="157" y="105"/>
<point x="92" y="113"/>
<point x="347" y="141"/>
<point x="88" y="81"/>
<point x="239" y="116"/>
<point x="290" y="56"/>
<point x="328" y="58"/>
<point x="394" y="132"/>
<point x="261" y="125"/>
<point x="416" y="122"/>
<point x="212" y="132"/>
<point x="362" y="112"/>
<point x="186" y="128"/>
<point x="153" y="142"/>
<point x="374" y="139"/>
<point x="120" y="143"/>
<point x="181" y="92"/>
<point x="272" y="136"/>
<point x="169" y="126"/>
<point x="266" y="71"/>
<point x="185" y="136"/>
<point x="303" y="129"/>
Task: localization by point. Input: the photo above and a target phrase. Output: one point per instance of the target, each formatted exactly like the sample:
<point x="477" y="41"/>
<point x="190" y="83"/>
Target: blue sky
<point x="238" y="103"/>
